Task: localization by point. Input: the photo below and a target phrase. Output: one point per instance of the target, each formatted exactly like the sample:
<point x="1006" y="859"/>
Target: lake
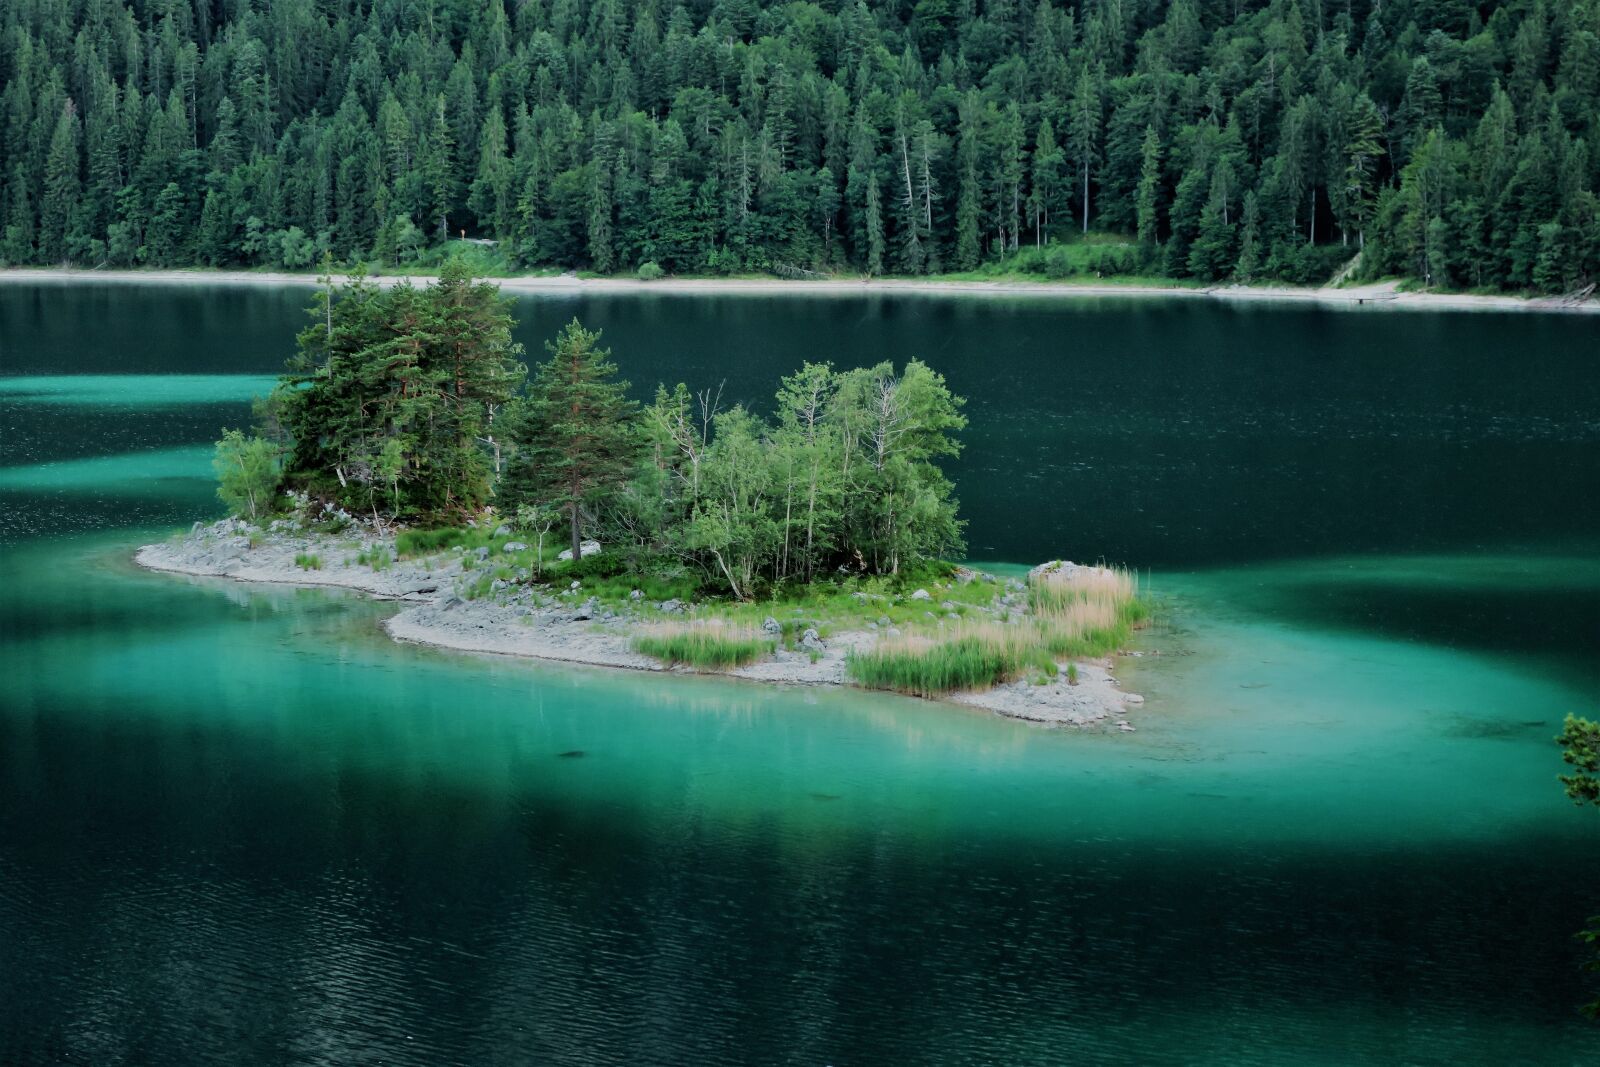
<point x="240" y="825"/>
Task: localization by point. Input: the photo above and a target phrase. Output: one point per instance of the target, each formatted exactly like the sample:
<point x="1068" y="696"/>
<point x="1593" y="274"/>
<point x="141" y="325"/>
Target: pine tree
<point x="968" y="195"/>
<point x="874" y="229"/>
<point x="60" y="187"/>
<point x="1047" y="161"/>
<point x="1085" y="139"/>
<point x="576" y="442"/>
<point x="1149" y="190"/>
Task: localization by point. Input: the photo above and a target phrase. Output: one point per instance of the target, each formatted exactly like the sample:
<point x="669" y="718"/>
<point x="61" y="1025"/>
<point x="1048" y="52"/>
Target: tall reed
<point x="1089" y="611"/>
<point x="975" y="656"/>
<point x="710" y="645"/>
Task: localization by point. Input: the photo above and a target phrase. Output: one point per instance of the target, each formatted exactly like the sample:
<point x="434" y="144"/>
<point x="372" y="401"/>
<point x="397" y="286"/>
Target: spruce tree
<point x="573" y="428"/>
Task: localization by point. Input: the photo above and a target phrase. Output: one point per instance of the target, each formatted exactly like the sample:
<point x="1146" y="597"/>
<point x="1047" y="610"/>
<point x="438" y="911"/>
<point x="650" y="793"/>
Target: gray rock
<point x="811" y="642"/>
<point x="482" y="553"/>
<point x="502" y="531"/>
<point x="513" y="546"/>
<point x="586" y="610"/>
<point x="772" y="626"/>
<point x="921" y="594"/>
<point x="636" y="595"/>
<point x="588" y="548"/>
<point x="575" y="585"/>
<point x="671" y="607"/>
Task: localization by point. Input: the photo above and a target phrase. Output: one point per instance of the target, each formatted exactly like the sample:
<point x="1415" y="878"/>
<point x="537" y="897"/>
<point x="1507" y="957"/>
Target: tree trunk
<point x="1086" y="196"/>
<point x="577" y="540"/>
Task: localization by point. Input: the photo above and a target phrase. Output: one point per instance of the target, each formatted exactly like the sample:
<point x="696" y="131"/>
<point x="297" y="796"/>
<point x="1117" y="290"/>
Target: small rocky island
<point x="455" y="599"/>
<point x="410" y="453"/>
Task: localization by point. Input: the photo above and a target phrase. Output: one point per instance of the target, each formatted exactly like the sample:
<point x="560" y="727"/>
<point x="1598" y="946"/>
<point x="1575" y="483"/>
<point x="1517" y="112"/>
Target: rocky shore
<point x="523" y="620"/>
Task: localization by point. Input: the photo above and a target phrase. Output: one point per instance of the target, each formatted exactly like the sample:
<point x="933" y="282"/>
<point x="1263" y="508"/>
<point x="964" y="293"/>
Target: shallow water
<point x="238" y="824"/>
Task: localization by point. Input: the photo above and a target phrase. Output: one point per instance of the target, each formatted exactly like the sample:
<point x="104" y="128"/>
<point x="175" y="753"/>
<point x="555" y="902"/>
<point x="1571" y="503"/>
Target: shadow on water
<point x="240" y="824"/>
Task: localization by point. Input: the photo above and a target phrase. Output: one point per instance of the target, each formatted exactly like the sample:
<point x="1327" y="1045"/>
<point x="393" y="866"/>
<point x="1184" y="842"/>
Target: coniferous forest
<point x="1452" y="142"/>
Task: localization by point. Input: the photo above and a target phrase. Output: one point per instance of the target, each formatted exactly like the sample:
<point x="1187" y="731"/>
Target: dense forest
<point x="1449" y="140"/>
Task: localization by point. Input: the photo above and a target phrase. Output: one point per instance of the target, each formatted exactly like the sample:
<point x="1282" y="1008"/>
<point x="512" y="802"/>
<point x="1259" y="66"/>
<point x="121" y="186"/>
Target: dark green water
<point x="240" y="825"/>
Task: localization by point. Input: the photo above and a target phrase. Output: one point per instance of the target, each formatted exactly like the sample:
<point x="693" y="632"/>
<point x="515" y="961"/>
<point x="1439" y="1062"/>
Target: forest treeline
<point x="1453" y="141"/>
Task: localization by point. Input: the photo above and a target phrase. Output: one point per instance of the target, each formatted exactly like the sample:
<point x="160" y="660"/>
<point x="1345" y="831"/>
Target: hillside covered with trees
<point x="1455" y="141"/>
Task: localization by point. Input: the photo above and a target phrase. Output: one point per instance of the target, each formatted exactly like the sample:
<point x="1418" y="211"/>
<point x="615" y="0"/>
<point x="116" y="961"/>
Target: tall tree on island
<point x="575" y="431"/>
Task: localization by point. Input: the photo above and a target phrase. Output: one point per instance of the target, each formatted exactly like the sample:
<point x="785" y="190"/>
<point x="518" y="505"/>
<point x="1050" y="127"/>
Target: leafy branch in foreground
<point x="1580" y="740"/>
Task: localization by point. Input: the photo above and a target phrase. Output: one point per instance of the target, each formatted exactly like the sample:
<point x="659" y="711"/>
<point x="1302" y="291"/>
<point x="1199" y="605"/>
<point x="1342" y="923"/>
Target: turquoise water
<point x="238" y="824"/>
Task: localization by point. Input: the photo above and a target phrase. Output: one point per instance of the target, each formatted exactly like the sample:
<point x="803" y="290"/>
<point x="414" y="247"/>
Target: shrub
<point x="600" y="565"/>
<point x="708" y="645"/>
<point x="424" y="542"/>
<point x="650" y="271"/>
<point x="308" y="561"/>
<point x="248" y="471"/>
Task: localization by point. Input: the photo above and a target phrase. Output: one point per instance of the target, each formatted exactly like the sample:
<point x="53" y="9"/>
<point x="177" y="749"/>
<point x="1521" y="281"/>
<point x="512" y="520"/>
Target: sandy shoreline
<point x="524" y="623"/>
<point x="1378" y="296"/>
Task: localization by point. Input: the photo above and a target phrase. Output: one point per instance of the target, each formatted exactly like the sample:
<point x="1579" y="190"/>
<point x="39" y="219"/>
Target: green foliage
<point x="390" y="404"/>
<point x="1580" y="743"/>
<point x="846" y="476"/>
<point x="739" y="136"/>
<point x="576" y="441"/>
<point x="308" y="561"/>
<point x="247" y="474"/>
<point x="650" y="271"/>
<point x="414" y="543"/>
<point x="706" y="646"/>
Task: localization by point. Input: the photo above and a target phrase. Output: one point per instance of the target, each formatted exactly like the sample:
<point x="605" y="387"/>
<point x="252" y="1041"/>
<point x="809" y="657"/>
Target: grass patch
<point x="707" y="645"/>
<point x="377" y="557"/>
<point x="1086" y="612"/>
<point x="974" y="657"/>
<point x="308" y="561"/>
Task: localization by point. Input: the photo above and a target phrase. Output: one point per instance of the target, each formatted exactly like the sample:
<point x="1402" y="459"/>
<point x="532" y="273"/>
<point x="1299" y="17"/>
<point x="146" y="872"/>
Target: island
<point x="408" y="453"/>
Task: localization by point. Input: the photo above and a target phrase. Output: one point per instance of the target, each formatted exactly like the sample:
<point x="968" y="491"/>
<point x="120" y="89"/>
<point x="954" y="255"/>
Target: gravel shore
<point x="524" y="621"/>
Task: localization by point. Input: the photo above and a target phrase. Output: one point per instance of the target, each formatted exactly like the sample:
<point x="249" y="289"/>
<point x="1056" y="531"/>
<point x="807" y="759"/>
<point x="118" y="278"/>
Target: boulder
<point x="671" y="607"/>
<point x="771" y="626"/>
<point x="513" y="546"/>
<point x="811" y="642"/>
<point x="921" y="594"/>
<point x="586" y="610"/>
<point x="1063" y="567"/>
<point x="482" y="553"/>
<point x="587" y="548"/>
<point x="502" y="531"/>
